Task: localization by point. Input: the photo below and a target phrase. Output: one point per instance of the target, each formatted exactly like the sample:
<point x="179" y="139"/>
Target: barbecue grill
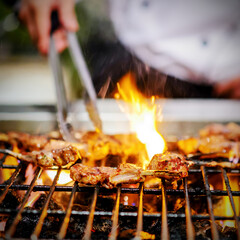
<point x="163" y="216"/>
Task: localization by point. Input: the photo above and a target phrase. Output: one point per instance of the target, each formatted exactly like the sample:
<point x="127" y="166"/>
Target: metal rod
<point x="229" y="190"/>
<point x="38" y="227"/>
<point x="164" y="232"/>
<point x="63" y="229"/>
<point x="12" y="228"/>
<point x="140" y="213"/>
<point x="87" y="234"/>
<point x="114" y="231"/>
<point x="107" y="214"/>
<point x="154" y="191"/>
<point x="10" y="182"/>
<point x="2" y="160"/>
<point x="214" y="230"/>
<point x="189" y="224"/>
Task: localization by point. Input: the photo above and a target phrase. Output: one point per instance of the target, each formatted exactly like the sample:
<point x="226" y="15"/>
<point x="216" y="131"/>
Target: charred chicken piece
<point x="170" y="166"/>
<point x="230" y="131"/>
<point x="174" y="164"/>
<point x="24" y="141"/>
<point x="106" y="176"/>
<point x="215" y="146"/>
<point x="55" y="157"/>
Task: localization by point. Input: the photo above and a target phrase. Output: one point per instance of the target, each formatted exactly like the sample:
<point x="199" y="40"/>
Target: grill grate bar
<point x="231" y="200"/>
<point x="189" y="224"/>
<point x="18" y="217"/>
<point x="122" y="214"/>
<point x="63" y="229"/>
<point x="214" y="231"/>
<point x="154" y="191"/>
<point x="87" y="234"/>
<point x="10" y="182"/>
<point x="115" y="214"/>
<point x="140" y="213"/>
<point x="2" y="160"/>
<point x="164" y="230"/>
<point x="38" y="227"/>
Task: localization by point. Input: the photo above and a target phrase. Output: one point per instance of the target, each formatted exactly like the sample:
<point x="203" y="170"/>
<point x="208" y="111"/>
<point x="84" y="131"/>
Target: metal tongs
<point x="90" y="96"/>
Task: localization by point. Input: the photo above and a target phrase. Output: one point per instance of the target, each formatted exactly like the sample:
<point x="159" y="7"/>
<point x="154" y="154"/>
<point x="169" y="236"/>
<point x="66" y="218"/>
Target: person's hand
<point x="36" y="14"/>
<point x="230" y="89"/>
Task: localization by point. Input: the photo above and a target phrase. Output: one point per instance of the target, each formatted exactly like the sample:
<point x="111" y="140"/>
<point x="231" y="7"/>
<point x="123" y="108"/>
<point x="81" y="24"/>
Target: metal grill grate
<point x="116" y="213"/>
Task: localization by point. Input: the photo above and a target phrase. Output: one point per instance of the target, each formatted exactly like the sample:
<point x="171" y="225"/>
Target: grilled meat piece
<point x="96" y="145"/>
<point x="230" y="131"/>
<point x="126" y="173"/>
<point x="55" y="157"/>
<point x="170" y="166"/>
<point x="91" y="145"/>
<point x="213" y="146"/>
<point x="106" y="176"/>
<point x="24" y="141"/>
<point x="171" y="163"/>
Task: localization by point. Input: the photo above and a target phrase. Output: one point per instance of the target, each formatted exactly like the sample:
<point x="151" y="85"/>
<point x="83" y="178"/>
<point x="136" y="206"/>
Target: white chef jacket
<point x="193" y="40"/>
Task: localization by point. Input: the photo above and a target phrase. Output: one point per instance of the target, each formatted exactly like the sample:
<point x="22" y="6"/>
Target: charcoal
<point x="76" y="227"/>
<point x="26" y="226"/>
<point x="41" y="200"/>
<point x="105" y="203"/>
<point x="230" y="232"/>
<point x="11" y="200"/>
<point x="101" y="228"/>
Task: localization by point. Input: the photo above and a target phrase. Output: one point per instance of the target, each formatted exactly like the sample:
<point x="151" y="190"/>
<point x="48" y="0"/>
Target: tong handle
<point x="62" y="102"/>
<point x="55" y="23"/>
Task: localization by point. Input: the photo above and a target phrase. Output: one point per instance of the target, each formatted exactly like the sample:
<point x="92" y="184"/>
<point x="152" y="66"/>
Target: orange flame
<point x="142" y="115"/>
<point x="5" y="174"/>
<point x="64" y="177"/>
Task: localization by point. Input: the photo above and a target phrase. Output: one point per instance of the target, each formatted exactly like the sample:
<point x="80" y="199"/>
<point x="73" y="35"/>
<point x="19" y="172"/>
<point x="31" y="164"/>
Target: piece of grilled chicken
<point x="170" y="166"/>
<point x="91" y="145"/>
<point x="106" y="176"/>
<point x="55" y="157"/>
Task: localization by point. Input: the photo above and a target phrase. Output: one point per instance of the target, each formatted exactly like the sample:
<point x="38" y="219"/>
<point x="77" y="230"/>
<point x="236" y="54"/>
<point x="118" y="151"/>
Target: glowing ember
<point x="142" y="115"/>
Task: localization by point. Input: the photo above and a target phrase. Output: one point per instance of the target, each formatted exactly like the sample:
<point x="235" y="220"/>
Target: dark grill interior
<point x="137" y="214"/>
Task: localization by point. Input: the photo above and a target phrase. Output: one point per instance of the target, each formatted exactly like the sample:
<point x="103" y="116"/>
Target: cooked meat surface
<point x="106" y="176"/>
<point x="171" y="163"/>
<point x="170" y="166"/>
<point x="216" y="145"/>
<point x="24" y="141"/>
<point x="230" y="131"/>
<point x="55" y="157"/>
<point x="91" y="145"/>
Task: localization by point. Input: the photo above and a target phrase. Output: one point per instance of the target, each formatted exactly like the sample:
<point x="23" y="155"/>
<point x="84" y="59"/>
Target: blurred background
<point x="26" y="78"/>
<point x="25" y="75"/>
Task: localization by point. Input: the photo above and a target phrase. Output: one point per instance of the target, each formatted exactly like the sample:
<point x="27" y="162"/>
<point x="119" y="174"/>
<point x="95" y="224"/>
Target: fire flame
<point x="64" y="177"/>
<point x="142" y="114"/>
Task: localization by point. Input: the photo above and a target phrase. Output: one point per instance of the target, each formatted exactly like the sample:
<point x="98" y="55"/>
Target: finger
<point x="236" y="95"/>
<point x="223" y="89"/>
<point x="67" y="15"/>
<point x="228" y="89"/>
<point x="43" y="23"/>
<point x="60" y="39"/>
<point x="24" y="11"/>
<point x="31" y="26"/>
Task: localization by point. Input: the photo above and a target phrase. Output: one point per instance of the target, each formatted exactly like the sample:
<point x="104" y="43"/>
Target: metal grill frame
<point x="116" y="213"/>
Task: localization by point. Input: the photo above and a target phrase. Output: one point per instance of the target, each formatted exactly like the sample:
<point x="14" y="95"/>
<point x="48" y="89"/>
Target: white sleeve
<point x="192" y="40"/>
